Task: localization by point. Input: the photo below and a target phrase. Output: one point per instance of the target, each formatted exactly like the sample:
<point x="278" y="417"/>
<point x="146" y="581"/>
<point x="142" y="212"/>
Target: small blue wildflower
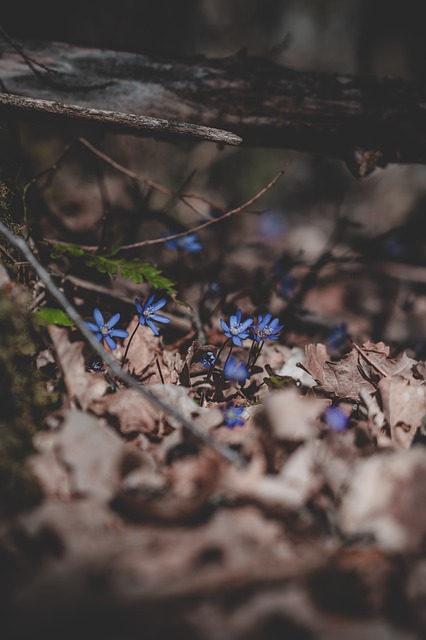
<point x="104" y="330"/>
<point x="95" y="364"/>
<point x="338" y="336"/>
<point x="265" y="329"/>
<point x="208" y="359"/>
<point x="237" y="330"/>
<point x="393" y="248"/>
<point x="272" y="224"/>
<point x="190" y="243"/>
<point x="147" y="312"/>
<point x="236" y="370"/>
<point x="231" y="415"/>
<point x="287" y="285"/>
<point x="335" y="418"/>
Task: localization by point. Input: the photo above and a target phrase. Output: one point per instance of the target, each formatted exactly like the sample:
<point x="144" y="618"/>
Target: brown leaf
<point x="81" y="385"/>
<point x="377" y="361"/>
<point x="133" y="412"/>
<point x="316" y="357"/>
<point x="91" y="454"/>
<point x="343" y="379"/>
<point x="404" y="406"/>
<point x="144" y="349"/>
<point x="292" y="416"/>
<point x="384" y="500"/>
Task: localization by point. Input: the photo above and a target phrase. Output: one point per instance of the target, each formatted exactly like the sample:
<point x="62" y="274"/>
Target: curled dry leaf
<point x="189" y="484"/>
<point x="281" y="493"/>
<point x="131" y="412"/>
<point x="376" y="361"/>
<point x="91" y="454"/>
<point x="404" y="405"/>
<point x="292" y="416"/>
<point x="144" y="349"/>
<point x="384" y="498"/>
<point x="81" y="385"/>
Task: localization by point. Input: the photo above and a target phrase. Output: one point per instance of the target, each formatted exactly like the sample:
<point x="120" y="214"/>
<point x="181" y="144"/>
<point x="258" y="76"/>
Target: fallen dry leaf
<point x="384" y="497"/>
<point x="82" y="386"/>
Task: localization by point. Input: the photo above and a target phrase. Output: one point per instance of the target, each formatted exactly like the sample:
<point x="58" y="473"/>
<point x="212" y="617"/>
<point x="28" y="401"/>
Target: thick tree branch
<point x="365" y="121"/>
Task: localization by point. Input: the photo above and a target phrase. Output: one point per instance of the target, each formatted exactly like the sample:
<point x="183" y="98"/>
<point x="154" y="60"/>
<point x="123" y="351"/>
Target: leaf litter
<point x="144" y="531"/>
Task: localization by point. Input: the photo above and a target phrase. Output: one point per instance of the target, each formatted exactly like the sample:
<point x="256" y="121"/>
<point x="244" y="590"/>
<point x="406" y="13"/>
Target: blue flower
<point x="236" y="370"/>
<point x="287" y="285"/>
<point x="104" y="330"/>
<point x="265" y="329"/>
<point x="237" y="330"/>
<point x="231" y="415"/>
<point x="186" y="243"/>
<point x="338" y="336"/>
<point x="208" y="359"/>
<point x="147" y="312"/>
<point x="335" y="418"/>
<point x="95" y="364"/>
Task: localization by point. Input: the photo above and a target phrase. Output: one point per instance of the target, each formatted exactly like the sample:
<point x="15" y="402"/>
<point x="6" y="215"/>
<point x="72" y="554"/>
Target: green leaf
<point x="130" y="269"/>
<point x="59" y="250"/>
<point x="47" y="315"/>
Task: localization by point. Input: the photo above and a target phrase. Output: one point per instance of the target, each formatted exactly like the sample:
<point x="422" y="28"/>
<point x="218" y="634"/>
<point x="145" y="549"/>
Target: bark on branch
<point x="365" y="121"/>
<point x="112" y="120"/>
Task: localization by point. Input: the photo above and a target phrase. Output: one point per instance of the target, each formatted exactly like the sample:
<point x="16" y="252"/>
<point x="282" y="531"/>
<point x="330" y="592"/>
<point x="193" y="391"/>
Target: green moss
<point x="19" y="408"/>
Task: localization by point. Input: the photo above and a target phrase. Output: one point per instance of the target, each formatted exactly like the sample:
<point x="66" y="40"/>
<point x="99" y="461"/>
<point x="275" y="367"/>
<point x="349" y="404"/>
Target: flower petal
<point x="157" y="305"/>
<point x="138" y="306"/>
<point x="159" y="318"/>
<point x="99" y="319"/>
<point x="119" y="333"/>
<point x="112" y="321"/>
<point x="92" y="327"/>
<point x="236" y="340"/>
<point x="110" y="342"/>
<point x="224" y="325"/>
<point x="246" y="324"/>
<point x="274" y="323"/>
<point x="152" y="326"/>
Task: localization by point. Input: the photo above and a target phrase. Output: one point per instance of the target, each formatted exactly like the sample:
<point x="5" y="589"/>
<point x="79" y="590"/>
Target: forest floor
<point x="279" y="489"/>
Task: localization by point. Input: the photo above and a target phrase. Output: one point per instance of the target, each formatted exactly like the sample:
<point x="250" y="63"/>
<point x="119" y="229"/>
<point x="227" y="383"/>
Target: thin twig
<point x="31" y="62"/>
<point x="228" y="214"/>
<point x="23" y="247"/>
<point x="183" y="196"/>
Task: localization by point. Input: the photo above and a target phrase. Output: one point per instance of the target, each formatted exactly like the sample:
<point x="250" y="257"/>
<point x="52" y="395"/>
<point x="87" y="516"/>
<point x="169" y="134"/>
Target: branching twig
<point x="183" y="196"/>
<point x="227" y="214"/>
<point x="23" y="247"/>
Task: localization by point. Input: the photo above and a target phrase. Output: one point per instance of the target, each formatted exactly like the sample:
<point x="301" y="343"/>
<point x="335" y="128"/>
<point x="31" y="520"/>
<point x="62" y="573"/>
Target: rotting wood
<point x="365" y="121"/>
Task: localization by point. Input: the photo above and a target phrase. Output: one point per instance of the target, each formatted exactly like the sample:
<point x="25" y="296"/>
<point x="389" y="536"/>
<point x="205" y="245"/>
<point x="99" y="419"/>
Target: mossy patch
<point x="19" y="408"/>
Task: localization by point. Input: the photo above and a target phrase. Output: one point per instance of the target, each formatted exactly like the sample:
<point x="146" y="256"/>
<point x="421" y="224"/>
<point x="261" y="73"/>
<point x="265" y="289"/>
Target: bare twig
<point x="23" y="247"/>
<point x="227" y="214"/>
<point x="116" y="121"/>
<point x="183" y="196"/>
<point x="31" y="62"/>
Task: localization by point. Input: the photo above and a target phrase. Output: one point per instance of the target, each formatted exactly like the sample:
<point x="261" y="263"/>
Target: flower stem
<point x="222" y="375"/>
<point x="210" y="371"/>
<point x="128" y="345"/>
<point x="257" y="354"/>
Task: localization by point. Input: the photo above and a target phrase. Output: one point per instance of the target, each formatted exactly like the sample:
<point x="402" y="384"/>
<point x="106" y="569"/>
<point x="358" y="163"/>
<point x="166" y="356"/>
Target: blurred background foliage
<point x="380" y="37"/>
